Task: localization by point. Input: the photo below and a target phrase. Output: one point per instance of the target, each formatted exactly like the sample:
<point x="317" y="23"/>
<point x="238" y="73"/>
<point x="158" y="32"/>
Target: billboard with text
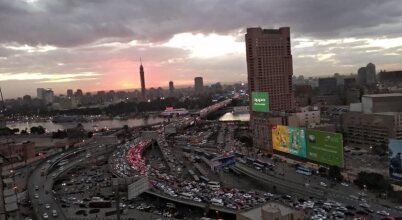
<point x="325" y="147"/>
<point x="259" y="102"/>
<point x="289" y="140"/>
<point x="395" y="159"/>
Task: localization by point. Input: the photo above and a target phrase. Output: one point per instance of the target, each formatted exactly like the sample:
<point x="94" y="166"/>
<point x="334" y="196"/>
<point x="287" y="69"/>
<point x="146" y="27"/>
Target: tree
<point x="37" y="130"/>
<point x="60" y="134"/>
<point x="373" y="181"/>
<point x="334" y="172"/>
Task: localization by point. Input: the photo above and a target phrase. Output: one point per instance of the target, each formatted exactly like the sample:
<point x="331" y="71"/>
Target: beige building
<point x="271" y="211"/>
<point x="270" y="70"/>
<point x="309" y="116"/>
<point x="365" y="130"/>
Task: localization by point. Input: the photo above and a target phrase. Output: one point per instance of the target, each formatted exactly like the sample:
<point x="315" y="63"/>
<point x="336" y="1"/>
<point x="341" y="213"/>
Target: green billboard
<point x="259" y="102"/>
<point x="325" y="147"/>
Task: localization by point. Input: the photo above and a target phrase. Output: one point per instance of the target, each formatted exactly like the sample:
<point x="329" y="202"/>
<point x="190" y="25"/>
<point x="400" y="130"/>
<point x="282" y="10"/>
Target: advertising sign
<point x="297" y="141"/>
<point x="259" y="101"/>
<point x="289" y="140"/>
<point x="325" y="147"/>
<point x="395" y="159"/>
<point x="280" y="138"/>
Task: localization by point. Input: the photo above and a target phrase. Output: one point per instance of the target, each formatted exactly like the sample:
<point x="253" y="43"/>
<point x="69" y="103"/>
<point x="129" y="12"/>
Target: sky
<point x="97" y="44"/>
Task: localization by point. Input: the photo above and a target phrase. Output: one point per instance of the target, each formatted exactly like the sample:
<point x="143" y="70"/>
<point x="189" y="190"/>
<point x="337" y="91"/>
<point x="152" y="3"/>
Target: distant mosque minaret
<point x="142" y="81"/>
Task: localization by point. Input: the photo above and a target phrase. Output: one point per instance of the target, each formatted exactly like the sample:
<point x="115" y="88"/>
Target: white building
<point x="309" y="116"/>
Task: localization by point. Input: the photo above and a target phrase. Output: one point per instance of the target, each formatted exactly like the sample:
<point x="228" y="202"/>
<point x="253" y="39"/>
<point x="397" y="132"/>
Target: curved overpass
<point x="45" y="182"/>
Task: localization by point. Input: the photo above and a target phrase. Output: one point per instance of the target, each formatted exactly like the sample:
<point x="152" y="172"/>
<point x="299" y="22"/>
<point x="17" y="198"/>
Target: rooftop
<point x="383" y="95"/>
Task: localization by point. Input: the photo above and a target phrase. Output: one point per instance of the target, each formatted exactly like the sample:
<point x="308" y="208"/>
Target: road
<point x="45" y="183"/>
<point x="337" y="194"/>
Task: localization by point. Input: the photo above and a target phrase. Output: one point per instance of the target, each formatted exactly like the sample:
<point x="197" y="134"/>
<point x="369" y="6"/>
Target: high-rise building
<point x="48" y="96"/>
<point x="362" y="76"/>
<point x="171" y="88"/>
<point x="270" y="70"/>
<point x="142" y="77"/>
<point x="371" y="75"/>
<point x="70" y="93"/>
<point x="198" y="85"/>
<point x="40" y="93"/>
<point x="327" y="86"/>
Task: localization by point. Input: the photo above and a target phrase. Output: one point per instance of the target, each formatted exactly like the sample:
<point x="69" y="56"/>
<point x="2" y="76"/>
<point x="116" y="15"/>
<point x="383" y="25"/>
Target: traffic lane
<point x="48" y="184"/>
<point x="340" y="197"/>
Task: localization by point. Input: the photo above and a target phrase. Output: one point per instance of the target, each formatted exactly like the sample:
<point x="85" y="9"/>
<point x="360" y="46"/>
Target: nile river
<point x="93" y="125"/>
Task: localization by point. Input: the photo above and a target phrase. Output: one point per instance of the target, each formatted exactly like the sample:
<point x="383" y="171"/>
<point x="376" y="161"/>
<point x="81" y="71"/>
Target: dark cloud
<point x="69" y="23"/>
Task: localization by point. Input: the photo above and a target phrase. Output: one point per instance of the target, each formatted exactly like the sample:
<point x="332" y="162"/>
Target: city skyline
<point x="78" y="48"/>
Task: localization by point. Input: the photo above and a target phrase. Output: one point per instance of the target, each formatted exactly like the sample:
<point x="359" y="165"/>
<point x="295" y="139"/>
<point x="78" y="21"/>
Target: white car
<point x="247" y="196"/>
<point x="45" y="215"/>
<point x="383" y="213"/>
<point x="47" y="206"/>
<point x="323" y="184"/>
<point x="344" y="184"/>
<point x="36" y="196"/>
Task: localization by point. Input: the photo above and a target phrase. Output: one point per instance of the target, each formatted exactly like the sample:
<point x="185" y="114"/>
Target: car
<point x="54" y="213"/>
<point x="383" y="213"/>
<point x="36" y="196"/>
<point x="364" y="205"/>
<point x="47" y="206"/>
<point x="344" y="184"/>
<point x="323" y="184"/>
<point x="247" y="196"/>
<point x="45" y="215"/>
<point x="36" y="187"/>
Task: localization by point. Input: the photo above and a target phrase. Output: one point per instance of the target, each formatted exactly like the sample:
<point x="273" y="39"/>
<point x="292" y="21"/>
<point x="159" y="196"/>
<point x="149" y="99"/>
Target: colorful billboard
<point x="259" y="102"/>
<point x="289" y="140"/>
<point x="325" y="147"/>
<point x="395" y="159"/>
<point x="280" y="138"/>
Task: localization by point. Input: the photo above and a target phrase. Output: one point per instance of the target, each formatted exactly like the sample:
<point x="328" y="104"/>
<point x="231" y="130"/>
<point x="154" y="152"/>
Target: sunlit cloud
<point x="206" y="46"/>
<point x="30" y="49"/>
<point x="47" y="77"/>
<point x="68" y="80"/>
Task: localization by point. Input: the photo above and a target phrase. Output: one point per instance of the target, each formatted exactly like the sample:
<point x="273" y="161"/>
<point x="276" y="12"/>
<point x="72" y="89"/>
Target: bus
<point x="304" y="171"/>
<point x="205" y="179"/>
<point x="241" y="160"/>
<point x="250" y="160"/>
<point x="214" y="185"/>
<point x="237" y="154"/>
<point x="187" y="149"/>
<point x="258" y="166"/>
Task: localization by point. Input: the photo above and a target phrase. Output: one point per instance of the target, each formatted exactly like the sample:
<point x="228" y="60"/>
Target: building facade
<point x="198" y="85"/>
<point x="271" y="211"/>
<point x="327" y="86"/>
<point x="171" y="88"/>
<point x="309" y="116"/>
<point x="17" y="152"/>
<point x="371" y="74"/>
<point x="270" y="70"/>
<point x="370" y="130"/>
<point x="375" y="103"/>
<point x="362" y="76"/>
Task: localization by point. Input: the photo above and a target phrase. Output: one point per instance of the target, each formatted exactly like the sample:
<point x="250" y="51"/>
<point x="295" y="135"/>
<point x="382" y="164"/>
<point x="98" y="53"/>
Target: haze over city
<point x="97" y="45"/>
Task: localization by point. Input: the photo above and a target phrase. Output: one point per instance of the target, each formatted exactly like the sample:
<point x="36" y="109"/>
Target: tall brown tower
<point x="142" y="81"/>
<point x="270" y="70"/>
